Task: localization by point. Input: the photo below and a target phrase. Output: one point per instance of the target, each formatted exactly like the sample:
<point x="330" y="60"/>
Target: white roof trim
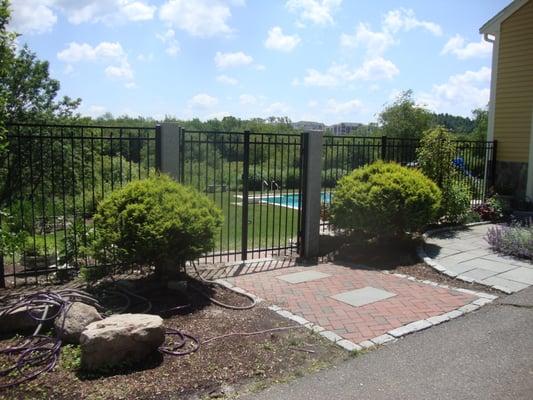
<point x="493" y="25"/>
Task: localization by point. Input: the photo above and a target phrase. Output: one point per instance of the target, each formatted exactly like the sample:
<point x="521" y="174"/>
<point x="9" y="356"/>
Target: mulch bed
<point x="217" y="369"/>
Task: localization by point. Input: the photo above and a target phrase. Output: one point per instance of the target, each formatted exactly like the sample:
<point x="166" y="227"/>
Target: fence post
<point x="245" y="176"/>
<point x="383" y="148"/>
<point x="493" y="165"/>
<point x="2" y="272"/>
<point x="168" y="149"/>
<point x="312" y="168"/>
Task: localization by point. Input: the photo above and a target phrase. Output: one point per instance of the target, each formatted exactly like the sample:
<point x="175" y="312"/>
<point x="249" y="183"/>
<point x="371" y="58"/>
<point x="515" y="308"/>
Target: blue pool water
<point x="293" y="200"/>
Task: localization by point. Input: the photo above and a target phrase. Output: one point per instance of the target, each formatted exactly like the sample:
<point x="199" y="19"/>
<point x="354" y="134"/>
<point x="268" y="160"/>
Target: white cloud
<point x="276" y="40"/>
<point x="218" y="115"/>
<point x="404" y="19"/>
<point x="76" y="52"/>
<point x="228" y="60"/>
<point x="32" y="16"/>
<point x="202" y="18"/>
<point x="460" y="94"/>
<point x="347" y="107"/>
<point x="203" y="100"/>
<point x="319" y="12"/>
<point x="109" y="12"/>
<point x="375" y="42"/>
<point x="226" y="80"/>
<point x="145" y="57"/>
<point x="247" y="99"/>
<point x="39" y="16"/>
<point x="277" y="109"/>
<point x="95" y="111"/>
<point x="123" y="71"/>
<point x="169" y="39"/>
<point x="373" y="69"/>
<point x="320" y="79"/>
<point x="456" y="46"/>
<point x="110" y="53"/>
<point x="138" y="11"/>
<point x="376" y="69"/>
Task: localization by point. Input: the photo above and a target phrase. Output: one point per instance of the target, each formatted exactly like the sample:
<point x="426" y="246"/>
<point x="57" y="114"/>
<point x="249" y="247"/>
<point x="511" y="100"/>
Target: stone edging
<point x="392" y="335"/>
<point x="421" y="253"/>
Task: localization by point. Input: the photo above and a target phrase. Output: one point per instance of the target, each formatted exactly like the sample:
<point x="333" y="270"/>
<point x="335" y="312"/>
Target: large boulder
<point x="73" y="320"/>
<point x="120" y="338"/>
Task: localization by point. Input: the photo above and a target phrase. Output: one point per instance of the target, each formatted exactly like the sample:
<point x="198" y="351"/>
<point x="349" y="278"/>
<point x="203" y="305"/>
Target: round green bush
<point x="155" y="222"/>
<point x="385" y="200"/>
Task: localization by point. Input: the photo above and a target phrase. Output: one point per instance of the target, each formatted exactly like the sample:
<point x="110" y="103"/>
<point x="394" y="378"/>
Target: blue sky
<point x="320" y="60"/>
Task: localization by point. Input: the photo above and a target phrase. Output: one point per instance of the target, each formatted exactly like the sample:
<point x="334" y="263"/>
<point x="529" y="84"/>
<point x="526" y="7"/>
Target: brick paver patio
<point x="410" y="301"/>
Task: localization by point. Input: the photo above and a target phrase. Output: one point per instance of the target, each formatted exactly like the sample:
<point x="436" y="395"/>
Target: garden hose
<point x="217" y="302"/>
<point x="38" y="353"/>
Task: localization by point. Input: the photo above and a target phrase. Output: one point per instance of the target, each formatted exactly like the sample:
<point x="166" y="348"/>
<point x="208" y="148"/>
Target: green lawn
<point x="268" y="225"/>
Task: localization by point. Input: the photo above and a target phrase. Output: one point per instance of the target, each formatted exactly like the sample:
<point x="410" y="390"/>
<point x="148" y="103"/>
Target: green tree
<point x="6" y="58"/>
<point x="404" y="119"/>
<point x="481" y="123"/>
<point x="435" y="158"/>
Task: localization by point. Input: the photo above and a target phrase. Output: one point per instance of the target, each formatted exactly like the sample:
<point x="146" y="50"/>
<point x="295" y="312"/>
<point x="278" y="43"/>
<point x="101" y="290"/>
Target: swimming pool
<point x="293" y="200"/>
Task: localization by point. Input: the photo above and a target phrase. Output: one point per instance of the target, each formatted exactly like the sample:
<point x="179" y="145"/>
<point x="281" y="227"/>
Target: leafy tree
<point x="27" y="94"/>
<point x="455" y="123"/>
<point x="435" y="158"/>
<point x="6" y="58"/>
<point x="404" y="119"/>
<point x="481" y="121"/>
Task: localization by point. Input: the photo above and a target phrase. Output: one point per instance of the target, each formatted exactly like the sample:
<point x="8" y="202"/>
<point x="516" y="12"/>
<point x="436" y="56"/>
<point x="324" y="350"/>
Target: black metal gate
<point x="256" y="180"/>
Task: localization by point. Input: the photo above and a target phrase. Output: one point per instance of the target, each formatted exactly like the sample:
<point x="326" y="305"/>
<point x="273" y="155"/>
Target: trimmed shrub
<point x="513" y="240"/>
<point x="385" y="200"/>
<point x="155" y="222"/>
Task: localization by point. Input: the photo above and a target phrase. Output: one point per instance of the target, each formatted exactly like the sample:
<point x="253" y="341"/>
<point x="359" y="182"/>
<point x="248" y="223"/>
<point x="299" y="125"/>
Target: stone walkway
<point x="465" y="254"/>
<point x="353" y="305"/>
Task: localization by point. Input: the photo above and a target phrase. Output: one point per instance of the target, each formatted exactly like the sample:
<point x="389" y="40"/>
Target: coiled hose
<point x="37" y="353"/>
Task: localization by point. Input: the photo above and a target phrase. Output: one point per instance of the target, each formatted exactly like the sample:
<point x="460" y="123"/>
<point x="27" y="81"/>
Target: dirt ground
<point x="224" y="367"/>
<point x="218" y="369"/>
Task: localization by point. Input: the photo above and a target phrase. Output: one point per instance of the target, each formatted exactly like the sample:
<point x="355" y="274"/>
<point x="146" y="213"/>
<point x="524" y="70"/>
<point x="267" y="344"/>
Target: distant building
<point x="344" y="128"/>
<point x="309" y="126"/>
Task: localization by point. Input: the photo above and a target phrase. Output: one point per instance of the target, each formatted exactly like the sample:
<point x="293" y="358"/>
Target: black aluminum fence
<point x="474" y="162"/>
<point x="53" y="176"/>
<point x="255" y="179"/>
<point x="50" y="182"/>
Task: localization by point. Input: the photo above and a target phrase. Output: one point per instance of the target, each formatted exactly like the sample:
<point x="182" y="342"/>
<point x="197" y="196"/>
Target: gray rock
<point x="120" y="338"/>
<point x="72" y="321"/>
<point x="19" y="321"/>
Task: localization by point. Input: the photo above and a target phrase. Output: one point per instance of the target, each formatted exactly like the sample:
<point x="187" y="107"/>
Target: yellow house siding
<point x="514" y="88"/>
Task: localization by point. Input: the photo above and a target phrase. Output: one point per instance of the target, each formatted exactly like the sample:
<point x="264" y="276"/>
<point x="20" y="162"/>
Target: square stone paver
<point x="490" y="265"/>
<point x="520" y="274"/>
<point x="505" y="283"/>
<point x="479" y="274"/>
<point x="305" y="276"/>
<point x="364" y="296"/>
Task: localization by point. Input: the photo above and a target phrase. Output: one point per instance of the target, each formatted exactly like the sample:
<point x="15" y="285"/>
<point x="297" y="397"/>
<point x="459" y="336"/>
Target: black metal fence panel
<point x="255" y="179"/>
<point x="51" y="180"/>
<point x="53" y="176"/>
<point x="474" y="162"/>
